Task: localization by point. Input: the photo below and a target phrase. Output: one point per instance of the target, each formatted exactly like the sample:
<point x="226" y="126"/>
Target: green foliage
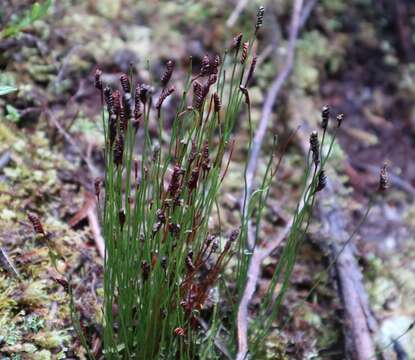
<point x="5" y="89"/>
<point x="12" y="113"/>
<point x="163" y="259"/>
<point x="36" y="12"/>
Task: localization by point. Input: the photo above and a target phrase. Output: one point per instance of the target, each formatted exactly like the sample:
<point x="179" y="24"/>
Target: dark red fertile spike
<point x="251" y="71"/>
<point x="125" y="83"/>
<point x="118" y="150"/>
<point x="37" y="226"/>
<point x="216" y="101"/>
<point x="244" y="55"/>
<point x="163" y="96"/>
<point x="98" y="81"/>
<point x="168" y="73"/>
<point x="197" y="95"/>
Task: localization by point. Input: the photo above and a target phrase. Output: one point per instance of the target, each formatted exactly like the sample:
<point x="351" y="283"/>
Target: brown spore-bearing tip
<point x="197" y="95"/>
<point x="97" y="79"/>
<point x="167" y="73"/>
<point x="315" y="147"/>
<point x="179" y="331"/>
<point x="97" y="186"/>
<point x="216" y="102"/>
<point x="259" y="18"/>
<point x="144" y="92"/>
<point x="246" y="94"/>
<point x="121" y="218"/>
<point x="322" y="181"/>
<point x="251" y="71"/>
<point x="116" y="108"/>
<point x="164" y="95"/>
<point x="215" y="64"/>
<point x="236" y="42"/>
<point x="205" y="157"/>
<point x="383" y="178"/>
<point x="232" y="238"/>
<point x="125" y="83"/>
<point x="137" y="98"/>
<point x="109" y="99"/>
<point x="123" y="119"/>
<point x="194" y="177"/>
<point x="137" y="104"/>
<point x="210" y="67"/>
<point x="205" y="69"/>
<point x="325" y="115"/>
<point x="339" y="119"/>
<point x="189" y="262"/>
<point x="244" y="54"/>
<point x="118" y="150"/>
<point x="174" y="229"/>
<point x="175" y="180"/>
<point x="145" y="268"/>
<point x="37" y="225"/>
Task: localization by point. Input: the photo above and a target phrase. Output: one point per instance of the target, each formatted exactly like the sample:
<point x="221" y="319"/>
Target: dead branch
<point x="253" y="276"/>
<point x="272" y="96"/>
<point x="96" y="231"/>
<point x="89" y="211"/>
<point x="359" y="322"/>
<point x="297" y="20"/>
<point x="7" y="264"/>
<point x="93" y="170"/>
<point x="236" y="12"/>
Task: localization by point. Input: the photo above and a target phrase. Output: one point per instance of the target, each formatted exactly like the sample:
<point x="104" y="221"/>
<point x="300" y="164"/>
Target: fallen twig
<point x="359" y="322"/>
<point x="297" y="20"/>
<point x="88" y="210"/>
<point x="273" y="93"/>
<point x="93" y="170"/>
<point x="236" y="12"/>
<point x="253" y="276"/>
<point x="7" y="263"/>
<point x="96" y="231"/>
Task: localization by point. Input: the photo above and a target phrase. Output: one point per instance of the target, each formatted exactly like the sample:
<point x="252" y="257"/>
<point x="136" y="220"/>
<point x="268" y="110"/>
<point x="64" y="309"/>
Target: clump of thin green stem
<point x="161" y="258"/>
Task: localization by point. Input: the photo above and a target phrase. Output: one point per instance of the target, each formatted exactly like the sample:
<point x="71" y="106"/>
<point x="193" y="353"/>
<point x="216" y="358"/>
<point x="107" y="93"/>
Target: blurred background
<point x="356" y="56"/>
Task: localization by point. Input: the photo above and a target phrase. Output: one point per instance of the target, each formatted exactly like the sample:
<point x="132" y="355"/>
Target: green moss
<point x="51" y="339"/>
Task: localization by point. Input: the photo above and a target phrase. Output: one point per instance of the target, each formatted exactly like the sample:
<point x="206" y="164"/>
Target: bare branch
<point x="236" y="12"/>
<point x="298" y="19"/>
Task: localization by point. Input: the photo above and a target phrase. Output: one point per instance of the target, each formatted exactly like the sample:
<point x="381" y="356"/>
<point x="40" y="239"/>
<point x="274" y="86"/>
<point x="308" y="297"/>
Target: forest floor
<point x="357" y="57"/>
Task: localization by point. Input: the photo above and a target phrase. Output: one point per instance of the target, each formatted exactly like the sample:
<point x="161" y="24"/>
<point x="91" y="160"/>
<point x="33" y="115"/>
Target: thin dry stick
<point x="93" y="170"/>
<point x="7" y="263"/>
<point x="96" y="231"/>
<point x="236" y="12"/>
<point x="253" y="276"/>
<point x="257" y="259"/>
<point x="359" y="322"/>
<point x="298" y="19"/>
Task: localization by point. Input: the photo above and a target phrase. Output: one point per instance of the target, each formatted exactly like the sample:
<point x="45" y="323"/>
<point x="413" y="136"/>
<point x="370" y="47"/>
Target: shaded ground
<point x="357" y="58"/>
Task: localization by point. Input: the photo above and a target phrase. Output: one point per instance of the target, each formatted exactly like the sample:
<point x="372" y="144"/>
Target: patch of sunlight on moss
<point x="34" y="294"/>
<point x="7" y="215"/>
<point x="43" y="355"/>
<point x="51" y="339"/>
